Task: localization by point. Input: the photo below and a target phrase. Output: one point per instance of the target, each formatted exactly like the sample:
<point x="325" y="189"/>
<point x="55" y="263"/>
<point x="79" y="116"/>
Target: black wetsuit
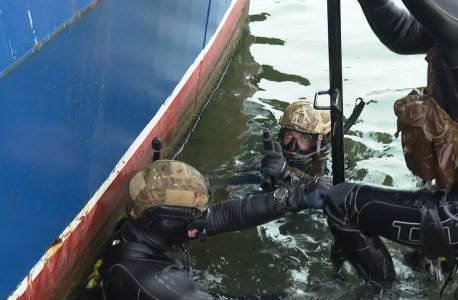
<point x="359" y="214"/>
<point x="137" y="266"/>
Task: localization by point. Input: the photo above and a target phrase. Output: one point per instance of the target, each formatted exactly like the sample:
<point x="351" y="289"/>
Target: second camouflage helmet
<point x="167" y="182"/>
<point x="302" y="117"/>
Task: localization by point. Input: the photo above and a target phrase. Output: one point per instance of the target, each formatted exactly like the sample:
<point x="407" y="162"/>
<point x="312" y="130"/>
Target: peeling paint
<point x="56" y="242"/>
<point x="35" y="39"/>
<point x="13" y="52"/>
<point x="30" y="19"/>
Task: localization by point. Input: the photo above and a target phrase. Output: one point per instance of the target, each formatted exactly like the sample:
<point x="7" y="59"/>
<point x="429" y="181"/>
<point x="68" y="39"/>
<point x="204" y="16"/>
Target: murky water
<point x="282" y="56"/>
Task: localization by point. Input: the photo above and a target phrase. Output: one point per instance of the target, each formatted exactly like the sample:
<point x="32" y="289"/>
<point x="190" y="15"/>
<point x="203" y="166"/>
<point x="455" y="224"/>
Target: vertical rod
<point x="335" y="91"/>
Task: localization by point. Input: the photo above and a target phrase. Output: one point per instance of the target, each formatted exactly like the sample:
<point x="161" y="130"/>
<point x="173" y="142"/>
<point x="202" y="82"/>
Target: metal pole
<point x="335" y="91"/>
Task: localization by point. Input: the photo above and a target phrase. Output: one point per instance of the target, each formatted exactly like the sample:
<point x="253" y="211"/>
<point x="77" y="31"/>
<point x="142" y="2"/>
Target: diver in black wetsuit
<point x="424" y="218"/>
<point x="170" y="203"/>
<point x="305" y="132"/>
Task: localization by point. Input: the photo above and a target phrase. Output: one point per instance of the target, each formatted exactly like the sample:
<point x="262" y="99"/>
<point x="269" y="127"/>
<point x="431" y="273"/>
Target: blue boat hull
<point x="79" y="83"/>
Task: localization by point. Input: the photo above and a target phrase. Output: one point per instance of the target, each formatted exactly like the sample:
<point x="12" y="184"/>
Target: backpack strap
<point x="429" y="90"/>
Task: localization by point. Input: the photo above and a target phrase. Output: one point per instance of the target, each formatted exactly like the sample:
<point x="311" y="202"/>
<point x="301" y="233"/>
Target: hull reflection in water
<point x="282" y="57"/>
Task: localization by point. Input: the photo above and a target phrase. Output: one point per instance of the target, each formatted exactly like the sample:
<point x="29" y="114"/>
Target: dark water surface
<point x="283" y="56"/>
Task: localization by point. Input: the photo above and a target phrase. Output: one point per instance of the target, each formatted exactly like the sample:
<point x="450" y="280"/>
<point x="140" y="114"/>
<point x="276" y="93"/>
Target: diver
<point x="168" y="204"/>
<point x="423" y="218"/>
<point x="304" y="136"/>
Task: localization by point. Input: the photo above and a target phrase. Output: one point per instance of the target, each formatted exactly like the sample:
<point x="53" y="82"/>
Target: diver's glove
<point x="309" y="195"/>
<point x="316" y="190"/>
<point x="274" y="163"/>
<point x="200" y="226"/>
<point x="294" y="201"/>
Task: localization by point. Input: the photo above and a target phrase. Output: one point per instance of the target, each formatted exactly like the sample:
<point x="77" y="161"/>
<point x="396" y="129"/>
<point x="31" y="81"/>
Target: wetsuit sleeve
<point x="440" y="19"/>
<point x="396" y="28"/>
<point x="234" y="215"/>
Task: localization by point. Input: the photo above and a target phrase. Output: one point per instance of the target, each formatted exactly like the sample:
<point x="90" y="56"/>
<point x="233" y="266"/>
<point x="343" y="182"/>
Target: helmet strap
<point x="318" y="144"/>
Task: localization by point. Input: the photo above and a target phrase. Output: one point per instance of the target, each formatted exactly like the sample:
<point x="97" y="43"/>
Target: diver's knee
<point x="334" y="201"/>
<point x="339" y="192"/>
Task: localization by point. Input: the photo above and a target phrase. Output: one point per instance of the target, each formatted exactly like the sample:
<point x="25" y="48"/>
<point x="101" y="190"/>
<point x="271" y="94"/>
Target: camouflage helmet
<point x="167" y="182"/>
<point x="302" y="117"/>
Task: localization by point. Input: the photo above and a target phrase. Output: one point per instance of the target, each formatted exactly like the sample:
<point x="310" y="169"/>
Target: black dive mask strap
<point x="159" y="213"/>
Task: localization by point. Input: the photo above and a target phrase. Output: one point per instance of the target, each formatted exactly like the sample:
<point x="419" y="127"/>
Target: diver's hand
<point x="274" y="163"/>
<point x="197" y="229"/>
<point x="316" y="190"/>
<point x="296" y="198"/>
<point x="309" y="195"/>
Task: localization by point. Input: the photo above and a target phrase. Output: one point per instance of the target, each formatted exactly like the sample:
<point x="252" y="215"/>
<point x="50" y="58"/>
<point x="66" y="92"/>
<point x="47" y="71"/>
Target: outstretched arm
<point x="396" y="28"/>
<point x="234" y="215"/>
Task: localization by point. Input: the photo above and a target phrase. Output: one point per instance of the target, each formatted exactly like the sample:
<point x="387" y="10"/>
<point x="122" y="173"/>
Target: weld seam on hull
<point x="47" y="39"/>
